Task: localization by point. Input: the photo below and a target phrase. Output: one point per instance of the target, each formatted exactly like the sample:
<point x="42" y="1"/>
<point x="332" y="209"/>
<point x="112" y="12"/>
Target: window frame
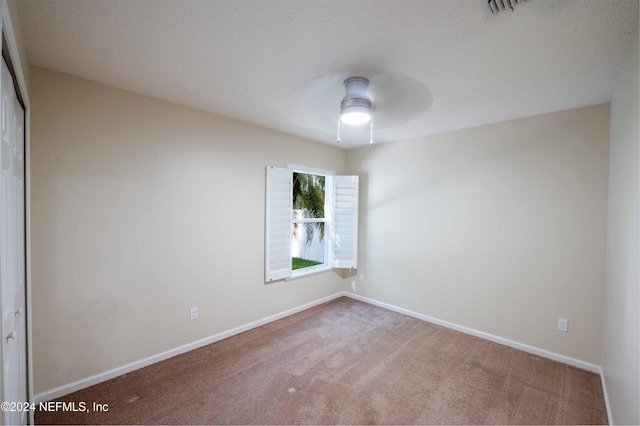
<point x="328" y="203"/>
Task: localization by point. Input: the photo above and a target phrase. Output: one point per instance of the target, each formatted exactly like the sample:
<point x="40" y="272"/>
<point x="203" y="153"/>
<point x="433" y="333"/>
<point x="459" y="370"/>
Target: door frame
<point x="8" y="26"/>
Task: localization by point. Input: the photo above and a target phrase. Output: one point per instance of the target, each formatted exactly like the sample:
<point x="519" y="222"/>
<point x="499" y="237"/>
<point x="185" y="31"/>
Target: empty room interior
<point x="320" y="212"/>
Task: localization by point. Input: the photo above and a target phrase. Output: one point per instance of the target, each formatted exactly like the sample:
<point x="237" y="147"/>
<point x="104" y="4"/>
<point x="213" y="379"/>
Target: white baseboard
<point x="118" y="371"/>
<point x="501" y="340"/>
<point x="511" y="343"/>
<point x="606" y="397"/>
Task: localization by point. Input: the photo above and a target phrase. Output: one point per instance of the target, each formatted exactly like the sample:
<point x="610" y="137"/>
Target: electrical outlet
<point x="361" y="278"/>
<point x="563" y="325"/>
<point x="193" y="313"/>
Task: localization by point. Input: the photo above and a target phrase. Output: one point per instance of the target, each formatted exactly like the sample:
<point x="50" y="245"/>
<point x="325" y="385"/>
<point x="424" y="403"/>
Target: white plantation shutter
<point x="345" y="222"/>
<point x="278" y="224"/>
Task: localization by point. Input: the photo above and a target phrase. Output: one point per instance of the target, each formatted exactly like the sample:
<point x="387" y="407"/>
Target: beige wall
<point x="621" y="320"/>
<point x="499" y="228"/>
<point x="140" y="210"/>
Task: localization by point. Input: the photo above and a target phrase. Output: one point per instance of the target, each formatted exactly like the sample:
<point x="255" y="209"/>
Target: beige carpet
<point x="346" y="362"/>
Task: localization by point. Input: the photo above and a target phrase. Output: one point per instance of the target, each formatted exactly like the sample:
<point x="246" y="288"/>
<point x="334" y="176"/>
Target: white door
<point x="12" y="251"/>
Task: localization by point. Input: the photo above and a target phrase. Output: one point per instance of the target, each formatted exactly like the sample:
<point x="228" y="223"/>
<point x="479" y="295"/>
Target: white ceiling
<point x="434" y="65"/>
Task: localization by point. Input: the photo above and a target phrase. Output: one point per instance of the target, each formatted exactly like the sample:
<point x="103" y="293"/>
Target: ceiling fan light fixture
<point x="355" y="108"/>
<point x="356" y="114"/>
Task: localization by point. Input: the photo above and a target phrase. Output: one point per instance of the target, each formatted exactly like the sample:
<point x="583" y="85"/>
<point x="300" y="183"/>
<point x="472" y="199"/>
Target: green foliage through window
<point x="297" y="263"/>
<point x="309" y="197"/>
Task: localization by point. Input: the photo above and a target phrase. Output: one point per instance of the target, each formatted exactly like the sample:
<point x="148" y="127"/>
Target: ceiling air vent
<point x="501" y="5"/>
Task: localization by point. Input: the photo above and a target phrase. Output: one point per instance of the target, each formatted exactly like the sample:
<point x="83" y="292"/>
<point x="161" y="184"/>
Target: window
<point x="308" y="246"/>
<point x="311" y="222"/>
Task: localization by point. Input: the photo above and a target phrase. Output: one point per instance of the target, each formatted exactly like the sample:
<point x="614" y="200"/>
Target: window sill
<point x="301" y="273"/>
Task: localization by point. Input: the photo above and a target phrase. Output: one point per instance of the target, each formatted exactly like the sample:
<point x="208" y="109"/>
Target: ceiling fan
<point x="363" y="100"/>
